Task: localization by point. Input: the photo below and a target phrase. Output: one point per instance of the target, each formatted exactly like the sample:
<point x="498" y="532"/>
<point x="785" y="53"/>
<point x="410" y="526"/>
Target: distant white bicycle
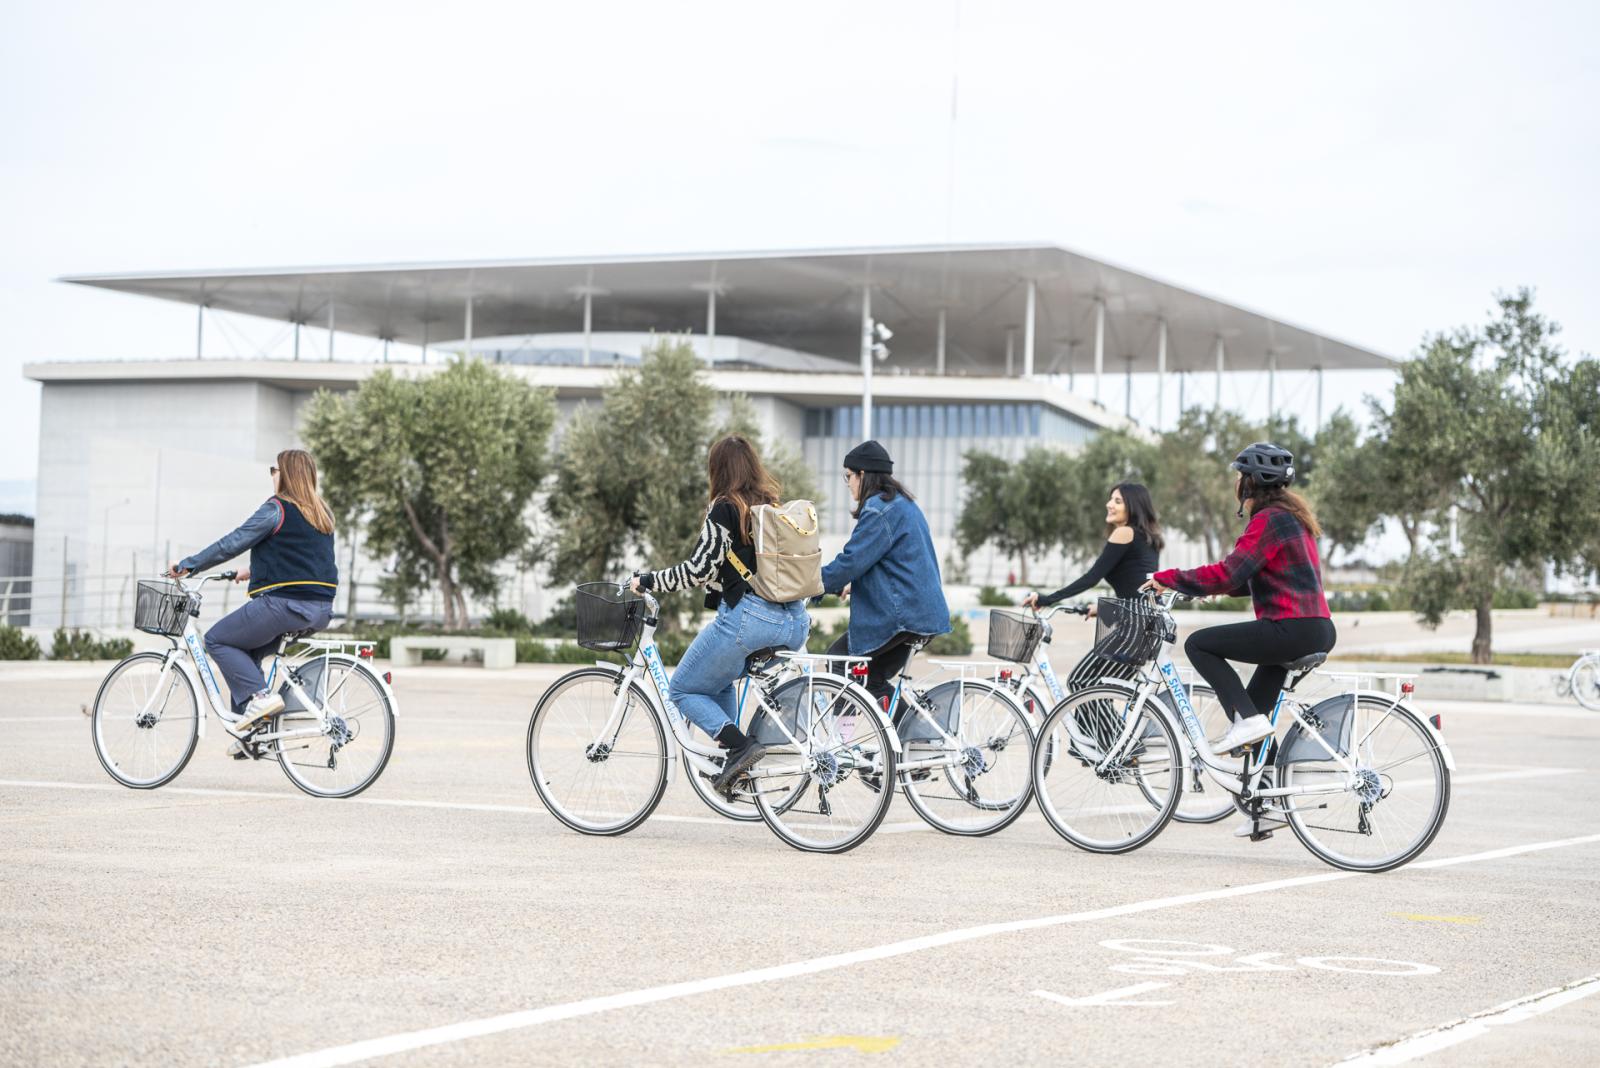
<point x="332" y="739"/>
<point x="1361" y="778"/>
<point x="1582" y="680"/>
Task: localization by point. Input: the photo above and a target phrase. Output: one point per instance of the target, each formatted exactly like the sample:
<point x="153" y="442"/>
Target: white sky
<point x="1370" y="170"/>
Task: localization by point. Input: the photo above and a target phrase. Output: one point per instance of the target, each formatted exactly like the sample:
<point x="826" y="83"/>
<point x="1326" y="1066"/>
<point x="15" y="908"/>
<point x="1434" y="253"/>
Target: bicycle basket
<point x="160" y="608"/>
<point x="1013" y="636"/>
<point x="1130" y="632"/>
<point x="608" y="619"/>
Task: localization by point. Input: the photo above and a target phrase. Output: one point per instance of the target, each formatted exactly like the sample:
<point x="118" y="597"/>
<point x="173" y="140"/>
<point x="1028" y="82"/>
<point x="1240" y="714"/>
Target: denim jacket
<point x="893" y="573"/>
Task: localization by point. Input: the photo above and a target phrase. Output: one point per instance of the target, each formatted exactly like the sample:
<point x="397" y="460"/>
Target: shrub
<point x="957" y="643"/>
<point x="829" y="600"/>
<point x="15" y="645"/>
<point x="1222" y="604"/>
<point x="535" y="651"/>
<point x="1516" y="598"/>
<point x="508" y="621"/>
<point x="991" y="597"/>
<point x="82" y="645"/>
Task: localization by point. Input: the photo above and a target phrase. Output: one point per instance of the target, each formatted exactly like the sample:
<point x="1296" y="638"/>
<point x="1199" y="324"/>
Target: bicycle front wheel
<point x="981" y="781"/>
<point x="1584" y="681"/>
<point x="345" y="754"/>
<point x="1110" y="785"/>
<point x="828" y="776"/>
<point x="146" y="721"/>
<point x="596" y="772"/>
<point x="1396" y="805"/>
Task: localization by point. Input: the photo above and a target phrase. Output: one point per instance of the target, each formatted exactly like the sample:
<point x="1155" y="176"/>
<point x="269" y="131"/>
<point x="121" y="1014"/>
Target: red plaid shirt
<point x="1275" y="560"/>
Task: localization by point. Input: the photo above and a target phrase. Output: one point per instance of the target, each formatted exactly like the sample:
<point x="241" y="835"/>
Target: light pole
<point x="873" y="349"/>
<point x="105" y="539"/>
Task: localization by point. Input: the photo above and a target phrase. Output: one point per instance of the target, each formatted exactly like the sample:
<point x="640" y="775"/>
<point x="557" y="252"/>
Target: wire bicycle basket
<point x="1014" y="636"/>
<point x="1130" y="632"/>
<point x="609" y="619"/>
<point x="160" y="608"/>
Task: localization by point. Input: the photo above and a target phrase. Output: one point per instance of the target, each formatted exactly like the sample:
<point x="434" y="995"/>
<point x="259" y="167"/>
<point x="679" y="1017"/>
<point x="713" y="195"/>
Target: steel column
<point x="866" y="362"/>
<point x="938" y="351"/>
<point x="1161" y="373"/>
<point x="1027" y="329"/>
<point x="1099" y="346"/>
<point x="1221" y="355"/>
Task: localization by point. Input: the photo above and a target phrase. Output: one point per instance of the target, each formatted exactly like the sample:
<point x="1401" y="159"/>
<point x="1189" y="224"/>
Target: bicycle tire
<point x="98" y="724"/>
<point x="385" y="713"/>
<point x="1006" y="809"/>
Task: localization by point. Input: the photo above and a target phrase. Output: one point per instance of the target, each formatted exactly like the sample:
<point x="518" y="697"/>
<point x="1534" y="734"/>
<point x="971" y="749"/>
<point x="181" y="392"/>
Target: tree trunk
<point x="1484" y="635"/>
<point x="448" y="593"/>
<point x="1022" y="567"/>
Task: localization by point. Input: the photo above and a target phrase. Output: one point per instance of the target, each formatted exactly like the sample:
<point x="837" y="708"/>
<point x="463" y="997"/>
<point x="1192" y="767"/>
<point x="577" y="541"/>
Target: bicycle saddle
<point x="1306" y="663"/>
<point x="760" y="661"/>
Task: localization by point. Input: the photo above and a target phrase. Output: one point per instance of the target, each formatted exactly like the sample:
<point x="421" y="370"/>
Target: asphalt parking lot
<point x="443" y="918"/>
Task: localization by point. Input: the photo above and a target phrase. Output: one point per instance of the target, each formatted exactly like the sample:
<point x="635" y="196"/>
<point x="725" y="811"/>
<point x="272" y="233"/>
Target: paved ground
<point x="228" y="920"/>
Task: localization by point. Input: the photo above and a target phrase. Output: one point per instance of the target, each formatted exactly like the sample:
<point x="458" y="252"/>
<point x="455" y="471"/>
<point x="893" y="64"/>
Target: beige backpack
<point x="788" y="552"/>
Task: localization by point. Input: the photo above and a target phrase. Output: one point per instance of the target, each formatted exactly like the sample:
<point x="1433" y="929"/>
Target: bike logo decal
<point x="205" y="665"/>
<point x="1049" y="674"/>
<point x="652" y="660"/>
<point x="1169" y="674"/>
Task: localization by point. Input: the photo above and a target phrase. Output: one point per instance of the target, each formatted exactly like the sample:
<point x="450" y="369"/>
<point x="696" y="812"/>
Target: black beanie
<point x="869" y="456"/>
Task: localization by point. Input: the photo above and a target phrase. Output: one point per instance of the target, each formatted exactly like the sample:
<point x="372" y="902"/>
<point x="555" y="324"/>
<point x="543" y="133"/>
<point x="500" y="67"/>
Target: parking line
<point x="1477" y="1025"/>
<point x="368" y="1049"/>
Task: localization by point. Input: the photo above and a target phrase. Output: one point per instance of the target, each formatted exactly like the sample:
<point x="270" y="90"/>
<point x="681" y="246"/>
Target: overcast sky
<point x="1370" y="170"/>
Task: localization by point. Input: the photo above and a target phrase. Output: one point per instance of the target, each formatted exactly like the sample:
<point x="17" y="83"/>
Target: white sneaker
<point x="260" y="707"/>
<point x="1243" y="732"/>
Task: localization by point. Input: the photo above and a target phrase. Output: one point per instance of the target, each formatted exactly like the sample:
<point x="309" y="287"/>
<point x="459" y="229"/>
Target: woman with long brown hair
<point x="292" y="579"/>
<point x="1276" y="561"/>
<point x="703" y="682"/>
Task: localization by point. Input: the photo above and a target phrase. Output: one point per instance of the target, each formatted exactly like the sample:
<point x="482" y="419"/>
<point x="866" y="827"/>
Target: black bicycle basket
<point x="1014" y="636"/>
<point x="1130" y="632"/>
<point x="160" y="608"/>
<point x="609" y="619"/>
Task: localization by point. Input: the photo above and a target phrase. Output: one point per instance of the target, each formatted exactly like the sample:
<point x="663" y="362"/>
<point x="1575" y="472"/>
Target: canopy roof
<point x="806" y="300"/>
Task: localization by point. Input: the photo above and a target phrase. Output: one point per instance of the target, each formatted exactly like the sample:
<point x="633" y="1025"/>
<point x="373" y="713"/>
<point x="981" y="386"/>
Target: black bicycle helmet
<point x="1267" y="464"/>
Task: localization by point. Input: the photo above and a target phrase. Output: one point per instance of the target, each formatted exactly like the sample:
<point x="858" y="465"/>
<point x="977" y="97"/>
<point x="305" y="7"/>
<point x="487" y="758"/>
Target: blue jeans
<point x="239" y="640"/>
<point x="702" y="683"/>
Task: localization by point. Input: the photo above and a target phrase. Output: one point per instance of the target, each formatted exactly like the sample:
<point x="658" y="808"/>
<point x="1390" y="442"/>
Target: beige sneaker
<point x="260" y="707"/>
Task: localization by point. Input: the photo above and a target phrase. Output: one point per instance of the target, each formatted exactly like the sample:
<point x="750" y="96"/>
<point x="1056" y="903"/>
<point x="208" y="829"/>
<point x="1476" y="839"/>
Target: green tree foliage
<point x="441" y="469"/>
<point x="631" y="470"/>
<point x="1196" y="486"/>
<point x="1018" y="507"/>
<point x="1513" y="438"/>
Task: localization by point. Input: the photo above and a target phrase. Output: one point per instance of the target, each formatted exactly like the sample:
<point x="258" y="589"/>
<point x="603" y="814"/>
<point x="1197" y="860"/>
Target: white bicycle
<point x="1582" y="680"/>
<point x="332" y="739"/>
<point x="1024" y="640"/>
<point x="1335" y="778"/>
<point x="600" y="760"/>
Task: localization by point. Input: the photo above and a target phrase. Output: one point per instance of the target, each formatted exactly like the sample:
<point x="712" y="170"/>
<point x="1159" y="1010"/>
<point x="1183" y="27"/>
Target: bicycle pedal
<point x="1260" y="836"/>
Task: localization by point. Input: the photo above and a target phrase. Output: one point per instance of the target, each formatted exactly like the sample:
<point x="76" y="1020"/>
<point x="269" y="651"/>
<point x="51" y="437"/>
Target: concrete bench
<point x="498" y="653"/>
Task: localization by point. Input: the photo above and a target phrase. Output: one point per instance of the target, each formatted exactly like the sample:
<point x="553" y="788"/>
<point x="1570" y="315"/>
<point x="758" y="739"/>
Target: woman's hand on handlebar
<point x="1090" y="611"/>
<point x="1152" y="586"/>
<point x="1031" y="601"/>
<point x="242" y="575"/>
<point x="174" y="571"/>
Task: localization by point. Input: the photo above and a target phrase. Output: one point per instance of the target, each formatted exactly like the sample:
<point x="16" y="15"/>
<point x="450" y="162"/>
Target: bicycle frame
<point x="950" y="754"/>
<point x="699" y="755"/>
<point x="187" y="655"/>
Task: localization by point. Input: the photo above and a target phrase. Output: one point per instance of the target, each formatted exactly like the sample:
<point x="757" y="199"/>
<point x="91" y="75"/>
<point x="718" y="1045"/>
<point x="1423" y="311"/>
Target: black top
<point x="1124" y="566"/>
<point x="708" y="562"/>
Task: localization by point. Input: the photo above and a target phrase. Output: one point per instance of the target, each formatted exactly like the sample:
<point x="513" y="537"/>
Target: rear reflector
<point x="1437" y="721"/>
<point x="365" y="652"/>
<point x="388" y="676"/>
<point x="858" y="670"/>
<point x="1408" y="687"/>
<point x="1004" y="675"/>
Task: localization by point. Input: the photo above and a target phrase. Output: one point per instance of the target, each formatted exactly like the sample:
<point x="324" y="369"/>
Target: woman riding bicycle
<point x="292" y="579"/>
<point x="890" y="568"/>
<point x="1276" y="560"/>
<point x="702" y="684"/>
<point x="1131" y="554"/>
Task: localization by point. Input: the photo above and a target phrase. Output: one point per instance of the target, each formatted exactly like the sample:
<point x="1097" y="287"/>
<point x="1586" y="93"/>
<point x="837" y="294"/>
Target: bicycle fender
<point x="883" y="717"/>
<point x="1427" y="724"/>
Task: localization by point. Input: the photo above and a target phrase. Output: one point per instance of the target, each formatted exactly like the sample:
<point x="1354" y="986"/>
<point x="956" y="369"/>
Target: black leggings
<point x="1270" y="643"/>
<point x="886" y="663"/>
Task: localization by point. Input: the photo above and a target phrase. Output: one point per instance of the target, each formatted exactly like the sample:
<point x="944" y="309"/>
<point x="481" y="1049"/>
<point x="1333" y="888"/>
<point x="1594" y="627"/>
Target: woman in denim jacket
<point x="702" y="683"/>
<point x="889" y="569"/>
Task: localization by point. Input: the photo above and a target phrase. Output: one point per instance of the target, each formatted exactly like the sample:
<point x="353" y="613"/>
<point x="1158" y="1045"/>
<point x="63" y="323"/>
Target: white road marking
<point x="1108" y="997"/>
<point x="79" y="718"/>
<point x="512" y="1021"/>
<point x="1477" y="1025"/>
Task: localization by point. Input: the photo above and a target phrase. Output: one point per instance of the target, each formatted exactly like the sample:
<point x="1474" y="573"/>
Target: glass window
<point x="939" y="411"/>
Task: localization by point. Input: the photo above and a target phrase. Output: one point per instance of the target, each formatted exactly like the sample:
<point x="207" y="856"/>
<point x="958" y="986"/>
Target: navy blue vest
<point x="296" y="560"/>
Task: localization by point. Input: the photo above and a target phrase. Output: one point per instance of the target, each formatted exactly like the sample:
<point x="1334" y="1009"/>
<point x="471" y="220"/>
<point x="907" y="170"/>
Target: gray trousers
<point x="238" y="641"/>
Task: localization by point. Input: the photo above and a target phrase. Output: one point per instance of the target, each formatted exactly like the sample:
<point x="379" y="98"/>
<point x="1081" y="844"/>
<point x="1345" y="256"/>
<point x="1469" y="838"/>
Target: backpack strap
<point x="738" y="565"/>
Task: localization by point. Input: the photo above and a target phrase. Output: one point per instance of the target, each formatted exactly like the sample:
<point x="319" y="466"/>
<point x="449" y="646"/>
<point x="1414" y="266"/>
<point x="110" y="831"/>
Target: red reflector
<point x="388" y="677"/>
<point x="1005" y="675"/>
<point x="858" y="670"/>
<point x="1408" y="687"/>
<point x="365" y="652"/>
<point x="1437" y="721"/>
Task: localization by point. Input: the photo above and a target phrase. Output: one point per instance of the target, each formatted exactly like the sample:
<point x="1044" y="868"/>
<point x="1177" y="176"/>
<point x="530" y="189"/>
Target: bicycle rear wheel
<point x="1584" y="681"/>
<point x="347" y="756"/>
<point x="983" y="780"/>
<point x="594" y="780"/>
<point x="146" y="722"/>
<point x="828" y="776"/>
<point x="1107" y="789"/>
<point x="1395" y="809"/>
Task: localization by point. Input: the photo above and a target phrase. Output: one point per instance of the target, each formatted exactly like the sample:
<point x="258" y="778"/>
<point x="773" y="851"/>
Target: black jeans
<point x="1268" y="642"/>
<point x="886" y="663"/>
